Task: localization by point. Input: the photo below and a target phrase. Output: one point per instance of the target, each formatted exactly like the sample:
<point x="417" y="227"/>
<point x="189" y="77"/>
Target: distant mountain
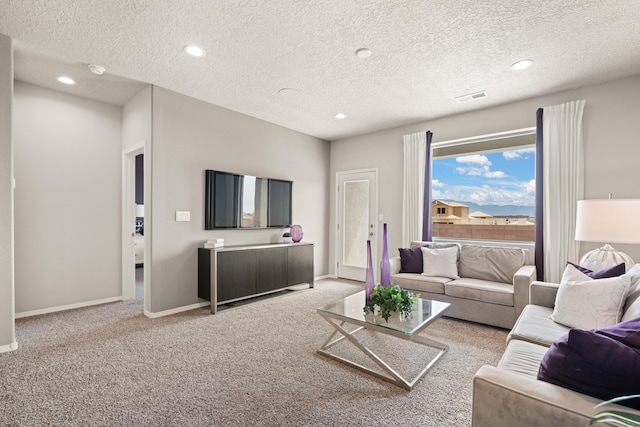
<point x="497" y="210"/>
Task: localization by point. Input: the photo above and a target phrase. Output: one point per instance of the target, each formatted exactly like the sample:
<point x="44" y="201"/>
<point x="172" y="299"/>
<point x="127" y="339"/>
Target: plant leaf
<point x="616" y="418"/>
<point x="617" y="399"/>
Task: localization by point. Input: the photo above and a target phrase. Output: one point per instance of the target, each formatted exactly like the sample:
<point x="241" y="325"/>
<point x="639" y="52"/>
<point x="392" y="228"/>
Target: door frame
<point x="128" y="221"/>
<point x="375" y="257"/>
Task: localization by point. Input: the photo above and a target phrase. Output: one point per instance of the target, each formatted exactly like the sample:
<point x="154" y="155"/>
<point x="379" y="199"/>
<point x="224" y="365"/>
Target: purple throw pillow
<point x="615" y="271"/>
<point x="627" y="333"/>
<point x="410" y="260"/>
<point x="600" y="363"/>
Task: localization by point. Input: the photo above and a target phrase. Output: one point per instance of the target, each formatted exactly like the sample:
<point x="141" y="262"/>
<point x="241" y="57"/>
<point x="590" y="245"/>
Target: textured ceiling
<point x="425" y="53"/>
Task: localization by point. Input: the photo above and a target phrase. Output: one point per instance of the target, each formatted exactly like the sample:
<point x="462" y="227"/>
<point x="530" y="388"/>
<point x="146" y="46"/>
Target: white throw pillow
<point x="631" y="309"/>
<point x="440" y="262"/>
<point x="586" y="303"/>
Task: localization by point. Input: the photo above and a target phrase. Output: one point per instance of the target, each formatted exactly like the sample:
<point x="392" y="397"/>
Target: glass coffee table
<point x="350" y="311"/>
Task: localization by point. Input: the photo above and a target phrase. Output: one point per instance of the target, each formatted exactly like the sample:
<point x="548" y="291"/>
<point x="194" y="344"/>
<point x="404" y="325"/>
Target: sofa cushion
<point x="616" y="270"/>
<point x="434" y="245"/>
<point x="410" y="260"/>
<point x="586" y="303"/>
<point x="440" y="262"/>
<point x="534" y="326"/>
<point x="480" y="290"/>
<point x="601" y="363"/>
<point x="490" y="263"/>
<point x="523" y="357"/>
<point x="419" y="283"/>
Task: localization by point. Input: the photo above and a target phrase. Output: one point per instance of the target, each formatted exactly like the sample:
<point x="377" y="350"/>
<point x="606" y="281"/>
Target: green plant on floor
<point x="389" y="299"/>
<point x="616" y="418"/>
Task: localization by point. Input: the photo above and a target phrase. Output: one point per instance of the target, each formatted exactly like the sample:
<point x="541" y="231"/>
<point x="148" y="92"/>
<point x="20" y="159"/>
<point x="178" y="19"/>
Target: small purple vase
<point x="369" y="280"/>
<point x="296" y="233"/>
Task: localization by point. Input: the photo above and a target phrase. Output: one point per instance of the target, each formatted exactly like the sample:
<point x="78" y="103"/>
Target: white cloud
<point x="475" y="159"/>
<point x="496" y="174"/>
<point x="516" y="154"/>
<point x="514" y="193"/>
<point x="437" y="184"/>
<point x="477" y="165"/>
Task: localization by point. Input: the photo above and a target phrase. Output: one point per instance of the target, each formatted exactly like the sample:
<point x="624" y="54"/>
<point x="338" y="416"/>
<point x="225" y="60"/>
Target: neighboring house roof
<point x="479" y="214"/>
<point x="452" y="204"/>
<point x="450" y="217"/>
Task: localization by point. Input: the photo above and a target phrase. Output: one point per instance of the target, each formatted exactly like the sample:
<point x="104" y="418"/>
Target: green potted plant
<point x="286" y="237"/>
<point x="388" y="299"/>
<point x="616" y="418"/>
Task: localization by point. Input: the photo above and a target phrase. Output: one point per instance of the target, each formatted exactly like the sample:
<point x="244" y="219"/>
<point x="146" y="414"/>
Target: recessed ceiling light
<point x="363" y="53"/>
<point x="96" y="69"/>
<point x="521" y="65"/>
<point x="340" y="116"/>
<point x="194" y="50"/>
<point x="66" y="80"/>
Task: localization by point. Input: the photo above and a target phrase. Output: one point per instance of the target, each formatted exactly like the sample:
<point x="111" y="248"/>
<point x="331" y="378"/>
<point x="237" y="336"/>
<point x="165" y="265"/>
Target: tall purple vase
<point x="385" y="269"/>
<point x="369" y="281"/>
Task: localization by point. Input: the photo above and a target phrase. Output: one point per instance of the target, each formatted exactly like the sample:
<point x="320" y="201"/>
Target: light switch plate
<point x="183" y="216"/>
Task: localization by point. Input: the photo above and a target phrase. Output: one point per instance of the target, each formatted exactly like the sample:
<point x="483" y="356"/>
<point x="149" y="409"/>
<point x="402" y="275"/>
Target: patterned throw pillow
<point x="586" y="303"/>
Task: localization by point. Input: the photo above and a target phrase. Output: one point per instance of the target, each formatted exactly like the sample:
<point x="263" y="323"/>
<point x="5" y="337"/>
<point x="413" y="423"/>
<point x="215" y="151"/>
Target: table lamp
<point x="607" y="221"/>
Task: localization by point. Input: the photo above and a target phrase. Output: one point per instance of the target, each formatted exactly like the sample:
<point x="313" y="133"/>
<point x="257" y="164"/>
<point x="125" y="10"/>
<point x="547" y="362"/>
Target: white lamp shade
<point x="608" y="221"/>
<point x="139" y="211"/>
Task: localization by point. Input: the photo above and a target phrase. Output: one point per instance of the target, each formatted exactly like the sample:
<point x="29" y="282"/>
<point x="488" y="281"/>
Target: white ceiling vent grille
<point x="471" y="97"/>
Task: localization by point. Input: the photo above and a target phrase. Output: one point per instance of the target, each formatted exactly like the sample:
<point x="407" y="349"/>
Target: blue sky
<point x="501" y="178"/>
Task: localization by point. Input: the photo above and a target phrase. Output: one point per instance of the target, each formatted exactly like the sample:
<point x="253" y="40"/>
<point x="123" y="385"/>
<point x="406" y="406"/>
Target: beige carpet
<point x="254" y="364"/>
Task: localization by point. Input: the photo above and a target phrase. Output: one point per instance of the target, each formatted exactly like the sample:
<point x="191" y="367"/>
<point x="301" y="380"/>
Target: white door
<point x="357" y="211"/>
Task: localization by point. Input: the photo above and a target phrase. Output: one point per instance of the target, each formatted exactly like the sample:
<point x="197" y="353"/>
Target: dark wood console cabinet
<point x="233" y="273"/>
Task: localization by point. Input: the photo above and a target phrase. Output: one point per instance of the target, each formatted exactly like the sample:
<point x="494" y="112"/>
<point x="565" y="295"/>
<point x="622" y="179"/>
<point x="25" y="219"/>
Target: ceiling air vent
<point x="471" y="97"/>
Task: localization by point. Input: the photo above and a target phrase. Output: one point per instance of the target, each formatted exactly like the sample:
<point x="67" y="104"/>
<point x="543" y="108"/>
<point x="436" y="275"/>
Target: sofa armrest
<point x="505" y="398"/>
<point x="394" y="265"/>
<point x="521" y="282"/>
<point x="543" y="293"/>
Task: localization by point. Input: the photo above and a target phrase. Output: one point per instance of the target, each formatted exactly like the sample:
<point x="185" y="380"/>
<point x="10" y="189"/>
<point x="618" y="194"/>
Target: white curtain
<point x="563" y="160"/>
<point x="415" y="147"/>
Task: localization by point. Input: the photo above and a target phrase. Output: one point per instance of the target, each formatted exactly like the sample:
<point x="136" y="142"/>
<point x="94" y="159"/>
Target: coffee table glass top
<point x="351" y="308"/>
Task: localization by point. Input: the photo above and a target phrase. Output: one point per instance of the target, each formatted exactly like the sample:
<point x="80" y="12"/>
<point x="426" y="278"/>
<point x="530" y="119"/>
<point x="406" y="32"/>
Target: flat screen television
<point x="245" y="201"/>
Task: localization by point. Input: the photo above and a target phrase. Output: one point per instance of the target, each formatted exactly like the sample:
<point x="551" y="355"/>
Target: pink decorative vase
<point x="296" y="233"/>
<point x="369" y="278"/>
<point x="385" y="273"/>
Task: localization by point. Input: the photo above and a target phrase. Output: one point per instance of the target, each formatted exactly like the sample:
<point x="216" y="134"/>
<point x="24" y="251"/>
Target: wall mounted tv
<point x="244" y="201"/>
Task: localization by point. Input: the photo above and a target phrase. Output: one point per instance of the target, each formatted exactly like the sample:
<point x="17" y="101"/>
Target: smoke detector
<point x="363" y="53"/>
<point x="96" y="69"/>
<point x="471" y="97"/>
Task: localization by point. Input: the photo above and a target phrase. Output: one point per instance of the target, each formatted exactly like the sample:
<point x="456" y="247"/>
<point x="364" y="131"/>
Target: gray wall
<point x="136" y="119"/>
<point x="610" y="137"/>
<point x="190" y="136"/>
<point x="67" y="204"/>
<point x="7" y="330"/>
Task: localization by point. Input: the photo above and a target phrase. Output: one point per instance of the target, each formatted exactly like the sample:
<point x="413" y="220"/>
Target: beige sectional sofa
<point x="492" y="288"/>
<point x="511" y="395"/>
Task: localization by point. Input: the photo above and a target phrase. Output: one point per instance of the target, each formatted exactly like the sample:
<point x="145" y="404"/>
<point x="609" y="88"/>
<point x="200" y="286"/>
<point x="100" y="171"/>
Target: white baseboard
<point x="66" y="307"/>
<point x="176" y="310"/>
<point x="9" y="347"/>
<point x="326" y="276"/>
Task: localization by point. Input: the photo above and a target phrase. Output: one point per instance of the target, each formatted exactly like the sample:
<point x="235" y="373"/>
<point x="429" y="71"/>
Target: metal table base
<point x="393" y="377"/>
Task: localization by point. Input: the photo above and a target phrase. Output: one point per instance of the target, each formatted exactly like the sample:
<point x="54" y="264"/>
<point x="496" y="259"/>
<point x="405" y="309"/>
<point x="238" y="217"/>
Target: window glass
<point x="484" y="188"/>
